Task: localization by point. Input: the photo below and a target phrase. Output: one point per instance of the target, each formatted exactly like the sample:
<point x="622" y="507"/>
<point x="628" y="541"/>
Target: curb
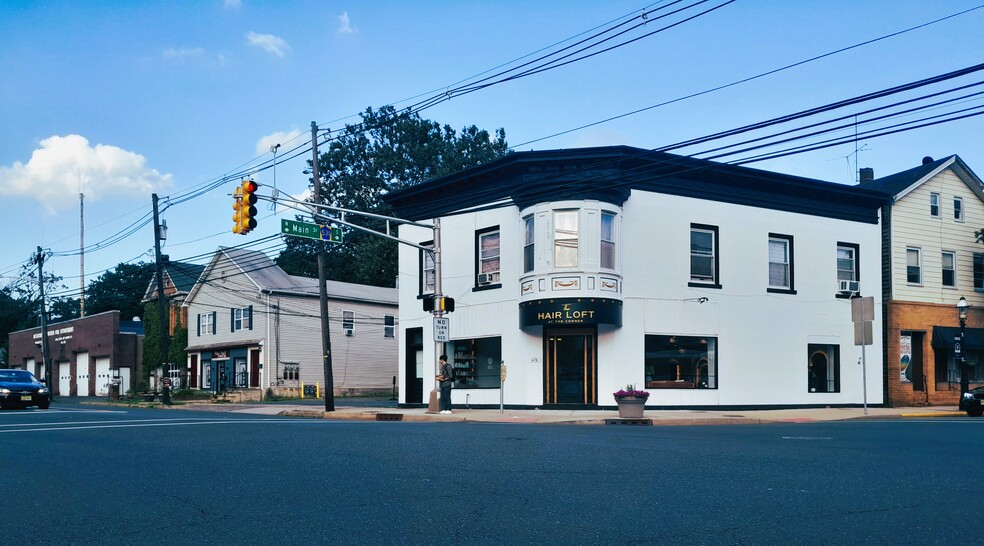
<point x="933" y="414"/>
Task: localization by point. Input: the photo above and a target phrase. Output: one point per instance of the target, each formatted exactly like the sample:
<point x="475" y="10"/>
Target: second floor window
<point x="607" y="240"/>
<point x="847" y="262"/>
<point x="242" y="319"/>
<point x="949" y="271"/>
<point x="488" y="257"/>
<point x="703" y="254"/>
<point x="565" y="238"/>
<point x="348" y="322"/>
<point x="913" y="267"/>
<point x="934" y="205"/>
<point x="427" y="271"/>
<point x="206" y="324"/>
<point x="389" y="326"/>
<point x="958" y="209"/>
<point x="528" y="247"/>
<point x="780" y="261"/>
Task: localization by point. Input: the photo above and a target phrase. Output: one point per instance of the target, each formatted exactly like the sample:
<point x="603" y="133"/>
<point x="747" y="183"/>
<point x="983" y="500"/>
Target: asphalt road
<point x="89" y="475"/>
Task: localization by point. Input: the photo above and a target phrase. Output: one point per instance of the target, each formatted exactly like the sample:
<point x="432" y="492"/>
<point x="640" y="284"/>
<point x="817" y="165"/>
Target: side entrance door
<point x="571" y="367"/>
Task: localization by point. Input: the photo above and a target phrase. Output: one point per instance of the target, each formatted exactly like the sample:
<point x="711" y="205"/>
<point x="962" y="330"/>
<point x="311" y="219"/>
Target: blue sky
<point x="124" y="99"/>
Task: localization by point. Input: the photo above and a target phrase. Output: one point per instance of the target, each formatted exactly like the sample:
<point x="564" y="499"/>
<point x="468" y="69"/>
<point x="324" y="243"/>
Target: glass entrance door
<point x="570" y="367"/>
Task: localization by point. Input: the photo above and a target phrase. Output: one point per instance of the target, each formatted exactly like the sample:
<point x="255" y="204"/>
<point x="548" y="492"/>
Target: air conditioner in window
<point x="349" y="331"/>
<point x="848" y="288"/>
<point x="485" y="278"/>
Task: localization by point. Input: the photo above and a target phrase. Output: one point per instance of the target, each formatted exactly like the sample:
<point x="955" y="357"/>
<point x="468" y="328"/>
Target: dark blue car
<point x="19" y="388"/>
<point x="973" y="402"/>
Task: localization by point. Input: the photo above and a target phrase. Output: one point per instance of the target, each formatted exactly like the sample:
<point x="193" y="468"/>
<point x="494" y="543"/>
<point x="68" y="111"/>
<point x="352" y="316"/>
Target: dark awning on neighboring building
<point x="943" y="337"/>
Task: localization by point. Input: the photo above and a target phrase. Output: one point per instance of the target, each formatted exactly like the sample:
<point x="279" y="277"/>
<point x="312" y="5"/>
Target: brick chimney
<point x="866" y="174"/>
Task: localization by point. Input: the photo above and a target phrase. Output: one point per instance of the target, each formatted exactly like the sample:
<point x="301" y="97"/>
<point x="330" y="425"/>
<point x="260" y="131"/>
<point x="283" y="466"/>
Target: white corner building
<point x="583" y="271"/>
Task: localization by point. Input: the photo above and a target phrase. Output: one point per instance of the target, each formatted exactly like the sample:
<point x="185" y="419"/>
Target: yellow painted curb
<point x="935" y="414"/>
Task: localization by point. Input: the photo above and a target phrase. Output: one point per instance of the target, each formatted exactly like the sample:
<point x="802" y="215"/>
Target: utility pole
<point x="165" y="327"/>
<point x="82" y="254"/>
<point x="45" y="349"/>
<point x="322" y="286"/>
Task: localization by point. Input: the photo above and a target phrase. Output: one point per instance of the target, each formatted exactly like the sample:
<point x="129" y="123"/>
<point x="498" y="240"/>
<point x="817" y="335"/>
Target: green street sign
<point x="311" y="231"/>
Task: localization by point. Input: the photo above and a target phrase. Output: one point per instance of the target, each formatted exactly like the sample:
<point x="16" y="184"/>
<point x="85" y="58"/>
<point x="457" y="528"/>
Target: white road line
<point x="170" y="424"/>
<point x="173" y="419"/>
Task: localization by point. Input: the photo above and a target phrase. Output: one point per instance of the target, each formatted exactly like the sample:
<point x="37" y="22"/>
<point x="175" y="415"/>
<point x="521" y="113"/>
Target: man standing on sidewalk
<point x="446" y="378"/>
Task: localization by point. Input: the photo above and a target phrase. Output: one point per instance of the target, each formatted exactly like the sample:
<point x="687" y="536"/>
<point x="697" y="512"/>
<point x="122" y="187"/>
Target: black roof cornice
<point x="609" y="174"/>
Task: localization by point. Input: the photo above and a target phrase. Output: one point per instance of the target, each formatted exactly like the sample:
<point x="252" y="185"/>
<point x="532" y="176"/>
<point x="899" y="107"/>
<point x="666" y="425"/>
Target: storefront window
<point x="476" y="362"/>
<point x="681" y="362"/>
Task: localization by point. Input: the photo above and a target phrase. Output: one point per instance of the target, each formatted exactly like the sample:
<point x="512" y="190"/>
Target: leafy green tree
<point x="63" y="309"/>
<point x="387" y="151"/>
<point x="121" y="288"/>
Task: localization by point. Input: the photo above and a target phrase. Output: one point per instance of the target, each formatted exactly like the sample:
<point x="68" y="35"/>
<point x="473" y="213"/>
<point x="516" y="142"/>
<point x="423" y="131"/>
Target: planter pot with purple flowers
<point x="631" y="402"/>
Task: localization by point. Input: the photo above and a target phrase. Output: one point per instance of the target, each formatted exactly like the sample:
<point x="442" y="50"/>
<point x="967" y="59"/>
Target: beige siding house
<point x="931" y="259"/>
<point x="253" y="327"/>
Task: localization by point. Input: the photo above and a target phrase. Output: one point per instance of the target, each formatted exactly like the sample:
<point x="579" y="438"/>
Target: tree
<point x="387" y="151"/>
<point x="152" y="356"/>
<point x="121" y="288"/>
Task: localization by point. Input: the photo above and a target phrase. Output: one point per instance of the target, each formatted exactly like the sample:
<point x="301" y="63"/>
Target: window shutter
<point x="198" y="328"/>
<point x="250" y="317"/>
<point x="232" y="320"/>
<point x="214" y="324"/>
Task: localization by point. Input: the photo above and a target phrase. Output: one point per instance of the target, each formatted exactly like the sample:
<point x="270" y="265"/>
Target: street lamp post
<point x="962" y="315"/>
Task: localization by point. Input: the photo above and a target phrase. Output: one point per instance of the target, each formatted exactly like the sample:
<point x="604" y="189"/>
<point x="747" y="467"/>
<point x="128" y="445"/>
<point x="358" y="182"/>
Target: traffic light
<point x="244" y="219"/>
<point x="432" y="304"/>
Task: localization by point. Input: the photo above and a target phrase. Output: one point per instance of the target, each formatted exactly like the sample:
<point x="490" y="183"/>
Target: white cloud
<point x="232" y="4"/>
<point x="285" y="139"/>
<point x="55" y="169"/>
<point x="344" y="25"/>
<point x="182" y="53"/>
<point x="269" y="43"/>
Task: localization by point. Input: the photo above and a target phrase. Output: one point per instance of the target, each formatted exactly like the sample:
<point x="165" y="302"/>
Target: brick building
<point x="87" y="354"/>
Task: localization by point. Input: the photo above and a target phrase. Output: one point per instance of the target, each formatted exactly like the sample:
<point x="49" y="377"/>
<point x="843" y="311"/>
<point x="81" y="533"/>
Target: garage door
<point x="82" y="374"/>
<point x="102" y="376"/>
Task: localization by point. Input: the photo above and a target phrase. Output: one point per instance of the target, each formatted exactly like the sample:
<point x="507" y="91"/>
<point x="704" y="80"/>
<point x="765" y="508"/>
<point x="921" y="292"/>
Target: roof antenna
<point x="276" y="193"/>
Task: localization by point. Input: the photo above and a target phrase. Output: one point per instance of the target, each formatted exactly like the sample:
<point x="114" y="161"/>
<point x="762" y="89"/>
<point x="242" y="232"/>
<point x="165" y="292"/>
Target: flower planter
<point x="630" y="407"/>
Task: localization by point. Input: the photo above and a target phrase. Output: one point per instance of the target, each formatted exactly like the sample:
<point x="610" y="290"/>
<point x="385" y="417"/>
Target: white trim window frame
<point x="206" y="324"/>
<point x="565" y="238"/>
<point x="958" y="211"/>
<point x="934" y="205"/>
<point x="428" y="271"/>
<point x="780" y="262"/>
<point x="389" y="326"/>
<point x="703" y="254"/>
<point x="847" y="262"/>
<point x="913" y="265"/>
<point x="489" y="245"/>
<point x="608" y="247"/>
<point x="348" y="320"/>
<point x="529" y="237"/>
<point x="949" y="269"/>
<point x="242" y="318"/>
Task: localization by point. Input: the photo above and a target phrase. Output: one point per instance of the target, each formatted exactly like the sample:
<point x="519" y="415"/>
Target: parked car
<point x="19" y="388"/>
<point x="973" y="402"/>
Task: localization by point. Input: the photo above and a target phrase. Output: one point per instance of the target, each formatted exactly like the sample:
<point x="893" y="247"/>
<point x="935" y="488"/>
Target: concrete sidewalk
<point x="580" y="417"/>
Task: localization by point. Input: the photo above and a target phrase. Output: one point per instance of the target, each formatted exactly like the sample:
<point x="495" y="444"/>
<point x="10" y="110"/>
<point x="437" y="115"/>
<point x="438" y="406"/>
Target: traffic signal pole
<point x="433" y="401"/>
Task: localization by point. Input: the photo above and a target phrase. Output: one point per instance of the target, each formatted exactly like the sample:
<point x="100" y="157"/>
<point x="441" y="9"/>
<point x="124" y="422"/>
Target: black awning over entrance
<point x="943" y="337"/>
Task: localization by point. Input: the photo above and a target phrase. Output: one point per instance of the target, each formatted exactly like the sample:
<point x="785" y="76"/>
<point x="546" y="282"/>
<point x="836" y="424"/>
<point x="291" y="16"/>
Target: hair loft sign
<point x="570" y="311"/>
